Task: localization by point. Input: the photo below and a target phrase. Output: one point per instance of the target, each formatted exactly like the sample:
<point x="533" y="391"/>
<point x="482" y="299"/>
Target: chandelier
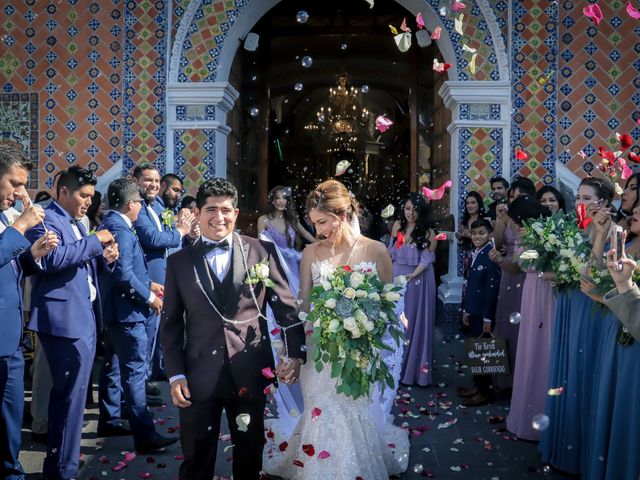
<point x="343" y="120"/>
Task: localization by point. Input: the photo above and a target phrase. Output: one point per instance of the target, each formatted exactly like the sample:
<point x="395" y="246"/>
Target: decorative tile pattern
<point x="194" y="156"/>
<point x="195" y="112"/>
<point x="19" y="125"/>
<point x="69" y="54"/>
<point x="213" y="19"/>
<point x="479" y="111"/>
<point x="534" y="88"/>
<point x="599" y="76"/>
<point x="145" y="49"/>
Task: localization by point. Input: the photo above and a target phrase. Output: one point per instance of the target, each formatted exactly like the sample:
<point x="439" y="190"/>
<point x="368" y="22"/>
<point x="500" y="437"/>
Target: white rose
<point x="303" y="316"/>
<point x="566" y="252"/>
<point x="316" y="324"/>
<point x="349" y="293"/>
<point x="356" y="333"/>
<point x="563" y="267"/>
<point x="374" y="296"/>
<point x="330" y="303"/>
<point x="349" y="323"/>
<point x="392" y="296"/>
<point x="552" y="239"/>
<point x="262" y="271"/>
<point x="400" y="280"/>
<point x="356" y="279"/>
<point x="334" y="324"/>
<point x="361" y="316"/>
<point x="326" y="285"/>
<point x="529" y="255"/>
<point x="361" y="294"/>
<point x="388" y="286"/>
<point x="368" y="325"/>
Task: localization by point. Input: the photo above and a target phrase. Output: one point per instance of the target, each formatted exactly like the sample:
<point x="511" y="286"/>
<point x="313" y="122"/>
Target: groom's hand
<point x="180" y="393"/>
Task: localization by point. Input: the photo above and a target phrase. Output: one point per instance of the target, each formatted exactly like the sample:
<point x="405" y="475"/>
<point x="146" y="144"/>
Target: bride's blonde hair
<point x="332" y="197"/>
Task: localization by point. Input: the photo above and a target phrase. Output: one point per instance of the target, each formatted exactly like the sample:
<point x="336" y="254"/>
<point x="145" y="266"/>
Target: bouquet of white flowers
<point x="352" y="311"/>
<point x="556" y="244"/>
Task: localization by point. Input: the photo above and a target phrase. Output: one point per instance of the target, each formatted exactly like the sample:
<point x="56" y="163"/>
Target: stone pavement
<point x="448" y="441"/>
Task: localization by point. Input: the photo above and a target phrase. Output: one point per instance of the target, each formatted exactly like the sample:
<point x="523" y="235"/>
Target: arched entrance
<point x="477" y="105"/>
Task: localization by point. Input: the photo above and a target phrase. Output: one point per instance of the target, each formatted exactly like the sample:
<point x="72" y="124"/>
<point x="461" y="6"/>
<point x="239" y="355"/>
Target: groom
<point x="216" y="346"/>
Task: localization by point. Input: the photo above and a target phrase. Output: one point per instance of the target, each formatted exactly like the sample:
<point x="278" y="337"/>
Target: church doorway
<point x="310" y="95"/>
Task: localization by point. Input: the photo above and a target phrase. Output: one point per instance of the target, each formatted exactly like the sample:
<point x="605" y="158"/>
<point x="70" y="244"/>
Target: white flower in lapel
<point x="259" y="273"/>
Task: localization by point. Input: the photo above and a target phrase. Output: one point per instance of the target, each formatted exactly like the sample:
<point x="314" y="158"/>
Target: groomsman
<point x="130" y="297"/>
<point x="171" y="189"/>
<point x="16" y="259"/>
<point x="156" y="235"/>
<point x="65" y="311"/>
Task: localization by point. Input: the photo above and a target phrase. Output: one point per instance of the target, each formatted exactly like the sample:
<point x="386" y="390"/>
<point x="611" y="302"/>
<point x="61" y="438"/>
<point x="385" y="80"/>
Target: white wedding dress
<point x="337" y="437"/>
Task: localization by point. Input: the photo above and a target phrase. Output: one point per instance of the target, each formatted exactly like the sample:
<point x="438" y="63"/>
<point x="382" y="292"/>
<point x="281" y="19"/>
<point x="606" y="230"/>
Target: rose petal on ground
<point x="308" y="449"/>
<point x="324" y="454"/>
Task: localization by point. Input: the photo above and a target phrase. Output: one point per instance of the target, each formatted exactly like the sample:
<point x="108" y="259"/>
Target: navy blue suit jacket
<point x="483" y="286"/>
<point x="155" y="243"/>
<point x="13" y="246"/>
<point x="127" y="288"/>
<point x="60" y="294"/>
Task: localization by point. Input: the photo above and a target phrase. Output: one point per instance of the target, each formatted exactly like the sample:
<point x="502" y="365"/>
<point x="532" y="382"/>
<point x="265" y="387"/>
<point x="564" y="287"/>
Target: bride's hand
<point x="288" y="370"/>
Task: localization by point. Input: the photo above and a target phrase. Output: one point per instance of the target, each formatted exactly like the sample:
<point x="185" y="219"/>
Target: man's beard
<point x="148" y="198"/>
<point x="169" y="203"/>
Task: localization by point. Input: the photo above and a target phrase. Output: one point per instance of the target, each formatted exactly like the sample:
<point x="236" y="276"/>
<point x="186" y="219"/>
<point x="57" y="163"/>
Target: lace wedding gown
<point x="337" y="437"/>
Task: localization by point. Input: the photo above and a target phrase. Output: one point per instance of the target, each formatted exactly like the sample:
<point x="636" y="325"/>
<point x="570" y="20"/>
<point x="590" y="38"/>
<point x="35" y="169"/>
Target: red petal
<point x="270" y="434"/>
<point x="633" y="13"/>
<point x="399" y="239"/>
<point x="119" y="466"/>
<point x="634" y="158"/>
<point x="315" y="413"/>
<point x="347" y="268"/>
<point x="308" y="449"/>
<point x="267" y="372"/>
<point x="625" y="141"/>
<point x="275" y="331"/>
<point x="441" y="236"/>
<point x="283" y="446"/>
<point x="521" y="155"/>
<point x="324" y="454"/>
<point x="145" y="475"/>
<point x="242" y="391"/>
<point x="103" y="459"/>
<point x="129" y="456"/>
<point x="298" y="463"/>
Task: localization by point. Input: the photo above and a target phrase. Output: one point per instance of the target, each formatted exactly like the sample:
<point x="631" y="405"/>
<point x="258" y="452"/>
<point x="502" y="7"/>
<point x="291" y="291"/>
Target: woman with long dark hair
<point x="412" y="252"/>
<point x="551" y="198"/>
<point x="95" y="211"/>
<point x="473" y="210"/>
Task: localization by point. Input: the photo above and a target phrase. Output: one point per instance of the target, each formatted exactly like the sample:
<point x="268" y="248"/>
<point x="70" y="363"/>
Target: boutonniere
<point x="133" y="229"/>
<point x="259" y="273"/>
<point x="92" y="232"/>
<point x="167" y="217"/>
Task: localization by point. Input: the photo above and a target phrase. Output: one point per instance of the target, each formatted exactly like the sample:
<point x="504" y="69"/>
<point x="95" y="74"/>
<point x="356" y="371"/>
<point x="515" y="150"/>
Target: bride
<point x="336" y="437"/>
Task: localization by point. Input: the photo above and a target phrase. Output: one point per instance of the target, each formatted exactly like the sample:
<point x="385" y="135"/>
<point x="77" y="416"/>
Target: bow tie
<point x="209" y="246"/>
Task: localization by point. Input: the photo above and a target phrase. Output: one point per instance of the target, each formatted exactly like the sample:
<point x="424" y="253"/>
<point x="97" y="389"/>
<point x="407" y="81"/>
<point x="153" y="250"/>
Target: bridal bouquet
<point x="352" y="312"/>
<point x="555" y="244"/>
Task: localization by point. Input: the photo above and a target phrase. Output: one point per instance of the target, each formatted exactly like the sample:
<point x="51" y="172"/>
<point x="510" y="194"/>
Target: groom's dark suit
<point x="223" y="360"/>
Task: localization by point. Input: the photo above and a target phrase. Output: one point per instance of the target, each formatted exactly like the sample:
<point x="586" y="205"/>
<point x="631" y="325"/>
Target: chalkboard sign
<point x="487" y="356"/>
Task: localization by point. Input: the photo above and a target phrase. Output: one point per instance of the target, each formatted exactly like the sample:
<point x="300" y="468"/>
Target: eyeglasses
<point x="137" y="201"/>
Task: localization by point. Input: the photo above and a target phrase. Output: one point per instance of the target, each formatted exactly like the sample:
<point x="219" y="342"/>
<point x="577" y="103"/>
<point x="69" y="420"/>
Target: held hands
<point x="156" y="305"/>
<point x="105" y="237"/>
<point x="288" y="370"/>
<point x="157" y="289"/>
<point x="44" y="245"/>
<point x="180" y="393"/>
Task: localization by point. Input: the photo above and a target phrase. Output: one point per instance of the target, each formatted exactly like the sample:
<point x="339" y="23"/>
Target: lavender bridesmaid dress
<point x="509" y="301"/>
<point x="420" y="310"/>
<point x="538" y="311"/>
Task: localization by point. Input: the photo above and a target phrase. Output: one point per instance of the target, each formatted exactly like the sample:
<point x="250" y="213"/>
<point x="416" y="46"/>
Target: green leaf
<point x="319" y="367"/>
<point x="336" y="368"/>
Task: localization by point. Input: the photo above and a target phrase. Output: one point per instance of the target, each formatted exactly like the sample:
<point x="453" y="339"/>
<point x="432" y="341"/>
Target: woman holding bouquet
<point x="337" y="437"/>
<point x="613" y="436"/>
<point x="412" y="252"/>
<point x="576" y="334"/>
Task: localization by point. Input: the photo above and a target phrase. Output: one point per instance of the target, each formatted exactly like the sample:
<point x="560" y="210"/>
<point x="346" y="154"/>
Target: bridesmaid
<point x="574" y="348"/>
<point x="412" y="252"/>
<point x="629" y="200"/>
<point x="534" y="337"/>
<point x="473" y="210"/>
<point x="506" y="234"/>
<point x="613" y="436"/>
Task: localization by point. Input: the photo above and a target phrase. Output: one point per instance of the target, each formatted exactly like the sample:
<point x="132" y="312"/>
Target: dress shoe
<point x="118" y="430"/>
<point x="477" y="400"/>
<point x="40" y="437"/>
<point x="467" y="392"/>
<point x="154" y="402"/>
<point x="152" y="389"/>
<point x="155" y="444"/>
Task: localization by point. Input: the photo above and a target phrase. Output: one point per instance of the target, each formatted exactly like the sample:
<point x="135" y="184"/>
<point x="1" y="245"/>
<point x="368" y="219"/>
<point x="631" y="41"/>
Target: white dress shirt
<point x="93" y="293"/>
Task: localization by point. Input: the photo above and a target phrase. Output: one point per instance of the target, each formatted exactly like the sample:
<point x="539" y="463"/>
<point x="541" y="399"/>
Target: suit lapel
<point x="240" y="251"/>
<point x="204" y="274"/>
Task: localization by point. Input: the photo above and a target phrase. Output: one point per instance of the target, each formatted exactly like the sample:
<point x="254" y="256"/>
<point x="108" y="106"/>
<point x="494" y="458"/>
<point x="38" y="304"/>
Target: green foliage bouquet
<point x="556" y="244"/>
<point x="352" y="312"/>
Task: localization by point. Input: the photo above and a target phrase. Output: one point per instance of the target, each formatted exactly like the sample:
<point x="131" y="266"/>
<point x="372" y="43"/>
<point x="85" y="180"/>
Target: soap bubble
<point x="515" y="318"/>
<point x="344" y="46"/>
<point x="540" y="422"/>
<point x="307" y="61"/>
<point x="298" y="86"/>
<point x="418" y="468"/>
<point x="364" y="88"/>
<point x="254" y="112"/>
<point x="302" y="17"/>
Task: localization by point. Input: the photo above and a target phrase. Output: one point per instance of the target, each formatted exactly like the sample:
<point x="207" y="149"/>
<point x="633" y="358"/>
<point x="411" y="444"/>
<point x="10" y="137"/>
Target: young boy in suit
<point x="479" y="303"/>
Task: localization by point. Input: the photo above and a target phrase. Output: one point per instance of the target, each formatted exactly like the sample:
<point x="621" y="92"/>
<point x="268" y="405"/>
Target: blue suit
<point x="67" y="323"/>
<point x="125" y="311"/>
<point x="14" y="255"/>
<point x="481" y="292"/>
<point x="155" y="243"/>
